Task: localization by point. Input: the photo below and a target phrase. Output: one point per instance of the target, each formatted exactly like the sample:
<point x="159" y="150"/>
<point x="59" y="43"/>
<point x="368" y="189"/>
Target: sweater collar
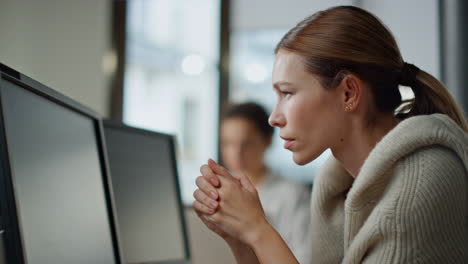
<point x="408" y="136"/>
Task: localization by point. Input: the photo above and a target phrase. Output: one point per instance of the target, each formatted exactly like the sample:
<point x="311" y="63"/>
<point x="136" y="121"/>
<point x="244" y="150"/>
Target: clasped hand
<point x="228" y="204"/>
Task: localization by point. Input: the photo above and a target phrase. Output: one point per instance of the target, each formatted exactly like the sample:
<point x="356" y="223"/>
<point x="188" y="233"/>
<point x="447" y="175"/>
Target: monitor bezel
<point x="9" y="213"/>
<point x="111" y="124"/>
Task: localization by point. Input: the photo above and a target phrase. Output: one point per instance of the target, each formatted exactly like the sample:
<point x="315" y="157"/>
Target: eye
<point x="286" y="93"/>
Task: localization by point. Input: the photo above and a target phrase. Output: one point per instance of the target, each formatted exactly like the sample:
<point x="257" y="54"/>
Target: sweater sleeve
<point x="430" y="221"/>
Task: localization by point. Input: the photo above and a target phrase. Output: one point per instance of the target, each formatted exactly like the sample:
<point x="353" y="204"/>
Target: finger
<point x="207" y="221"/>
<point x="245" y="182"/>
<point x="206" y="218"/>
<point x="218" y="169"/>
<point x="201" y="208"/>
<point x="206" y="187"/>
<point x="236" y="176"/>
<point x="207" y="172"/>
<point x="204" y="199"/>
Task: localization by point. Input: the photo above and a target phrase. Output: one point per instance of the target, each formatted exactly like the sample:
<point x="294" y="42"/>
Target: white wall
<point x="415" y="25"/>
<point x="261" y="14"/>
<point x="60" y="43"/>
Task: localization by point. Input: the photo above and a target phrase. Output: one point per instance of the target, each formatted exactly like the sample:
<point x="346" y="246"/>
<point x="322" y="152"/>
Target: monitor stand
<point x="2" y="248"/>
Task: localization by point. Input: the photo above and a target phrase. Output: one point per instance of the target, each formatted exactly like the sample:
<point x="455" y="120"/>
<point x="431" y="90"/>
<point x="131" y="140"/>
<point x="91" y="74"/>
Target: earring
<point x="348" y="108"/>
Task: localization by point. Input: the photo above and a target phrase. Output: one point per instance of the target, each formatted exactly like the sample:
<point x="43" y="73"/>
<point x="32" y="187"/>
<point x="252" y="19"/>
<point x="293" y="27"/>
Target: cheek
<point x="301" y="112"/>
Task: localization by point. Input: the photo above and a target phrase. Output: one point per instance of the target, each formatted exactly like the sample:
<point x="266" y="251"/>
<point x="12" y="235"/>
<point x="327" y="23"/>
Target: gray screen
<point x="57" y="180"/>
<point x="144" y="185"/>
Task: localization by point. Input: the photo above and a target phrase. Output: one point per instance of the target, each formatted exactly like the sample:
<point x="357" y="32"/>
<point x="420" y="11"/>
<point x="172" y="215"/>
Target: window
<point x="171" y="78"/>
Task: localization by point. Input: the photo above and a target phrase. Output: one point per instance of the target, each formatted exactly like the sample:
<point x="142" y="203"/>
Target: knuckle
<point x="196" y="194"/>
<point x="196" y="205"/>
<point x="203" y="169"/>
<point x="200" y="181"/>
<point x="207" y="200"/>
<point x="197" y="181"/>
<point x="201" y="208"/>
<point x="214" y="218"/>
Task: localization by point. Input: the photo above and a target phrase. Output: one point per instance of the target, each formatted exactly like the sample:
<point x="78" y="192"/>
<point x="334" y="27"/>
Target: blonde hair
<point x="347" y="39"/>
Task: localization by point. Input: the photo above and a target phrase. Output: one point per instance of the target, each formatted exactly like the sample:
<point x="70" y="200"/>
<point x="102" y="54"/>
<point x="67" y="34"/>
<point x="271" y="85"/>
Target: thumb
<point x="245" y="182"/>
<point x="218" y="169"/>
<point x="242" y="178"/>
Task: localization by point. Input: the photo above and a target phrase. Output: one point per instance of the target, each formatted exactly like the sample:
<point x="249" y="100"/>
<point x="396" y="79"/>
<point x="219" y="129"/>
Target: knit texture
<point x="408" y="204"/>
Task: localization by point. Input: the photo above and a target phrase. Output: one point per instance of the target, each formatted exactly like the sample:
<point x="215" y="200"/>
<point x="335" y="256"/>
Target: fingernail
<point x="214" y="195"/>
<point x="214" y="181"/>
<point x="213" y="204"/>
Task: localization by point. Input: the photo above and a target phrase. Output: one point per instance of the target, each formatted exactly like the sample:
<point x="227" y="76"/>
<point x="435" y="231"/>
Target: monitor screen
<point x="2" y="248"/>
<point x="57" y="177"/>
<point x="147" y="197"/>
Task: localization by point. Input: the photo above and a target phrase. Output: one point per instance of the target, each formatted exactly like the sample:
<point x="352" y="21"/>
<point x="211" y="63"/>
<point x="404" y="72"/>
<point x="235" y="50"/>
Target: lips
<point x="288" y="142"/>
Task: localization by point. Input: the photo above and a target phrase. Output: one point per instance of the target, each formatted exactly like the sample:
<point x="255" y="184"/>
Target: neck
<point x="359" y="142"/>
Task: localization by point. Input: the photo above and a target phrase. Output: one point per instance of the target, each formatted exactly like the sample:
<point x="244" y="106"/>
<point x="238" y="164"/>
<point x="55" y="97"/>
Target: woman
<point x="245" y="136"/>
<point x="395" y="189"/>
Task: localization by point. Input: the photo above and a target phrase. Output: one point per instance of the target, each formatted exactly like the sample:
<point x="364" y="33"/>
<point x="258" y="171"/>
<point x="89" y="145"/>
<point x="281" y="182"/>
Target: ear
<point x="351" y="89"/>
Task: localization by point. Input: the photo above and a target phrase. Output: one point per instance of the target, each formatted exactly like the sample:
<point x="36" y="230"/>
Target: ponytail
<point x="430" y="96"/>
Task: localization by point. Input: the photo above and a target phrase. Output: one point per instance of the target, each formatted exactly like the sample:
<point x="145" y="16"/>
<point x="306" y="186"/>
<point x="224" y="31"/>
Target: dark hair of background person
<point x="347" y="39"/>
<point x="252" y="112"/>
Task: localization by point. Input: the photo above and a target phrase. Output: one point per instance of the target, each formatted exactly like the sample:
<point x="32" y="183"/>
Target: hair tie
<point x="408" y="75"/>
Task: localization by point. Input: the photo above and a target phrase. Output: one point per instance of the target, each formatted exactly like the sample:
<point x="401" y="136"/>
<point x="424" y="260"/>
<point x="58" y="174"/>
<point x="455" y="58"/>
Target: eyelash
<point x="285" y="93"/>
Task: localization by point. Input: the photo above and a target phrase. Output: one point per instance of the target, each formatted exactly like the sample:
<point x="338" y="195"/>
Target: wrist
<point x="236" y="245"/>
<point x="261" y="232"/>
<point x="233" y="242"/>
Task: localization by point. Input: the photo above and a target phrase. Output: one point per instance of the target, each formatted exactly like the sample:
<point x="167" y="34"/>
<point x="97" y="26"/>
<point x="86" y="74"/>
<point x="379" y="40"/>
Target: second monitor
<point x="147" y="195"/>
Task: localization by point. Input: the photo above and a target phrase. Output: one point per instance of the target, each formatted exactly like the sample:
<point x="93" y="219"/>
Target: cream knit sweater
<point x="409" y="203"/>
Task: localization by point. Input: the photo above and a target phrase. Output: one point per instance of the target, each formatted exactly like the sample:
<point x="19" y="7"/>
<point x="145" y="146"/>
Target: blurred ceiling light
<point x="193" y="64"/>
<point x="255" y="73"/>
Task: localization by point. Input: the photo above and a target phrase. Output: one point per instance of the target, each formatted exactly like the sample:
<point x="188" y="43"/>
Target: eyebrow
<point x="277" y="84"/>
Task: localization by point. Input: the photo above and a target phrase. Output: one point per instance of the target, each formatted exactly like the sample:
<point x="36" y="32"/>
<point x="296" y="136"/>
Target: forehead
<point x="288" y="67"/>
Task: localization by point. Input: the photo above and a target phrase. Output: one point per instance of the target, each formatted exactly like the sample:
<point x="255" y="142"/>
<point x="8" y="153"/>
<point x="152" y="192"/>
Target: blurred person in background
<point x="245" y="137"/>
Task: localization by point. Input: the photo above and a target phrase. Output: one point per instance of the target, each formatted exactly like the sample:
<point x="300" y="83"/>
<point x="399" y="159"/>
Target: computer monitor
<point x="2" y="248"/>
<point x="56" y="206"/>
<point x="147" y="195"/>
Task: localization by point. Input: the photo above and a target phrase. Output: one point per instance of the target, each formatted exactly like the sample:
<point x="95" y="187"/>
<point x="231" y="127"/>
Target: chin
<point x="301" y="159"/>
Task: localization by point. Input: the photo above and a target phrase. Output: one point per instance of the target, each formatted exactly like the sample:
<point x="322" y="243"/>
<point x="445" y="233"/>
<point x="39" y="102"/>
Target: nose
<point x="276" y="118"/>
